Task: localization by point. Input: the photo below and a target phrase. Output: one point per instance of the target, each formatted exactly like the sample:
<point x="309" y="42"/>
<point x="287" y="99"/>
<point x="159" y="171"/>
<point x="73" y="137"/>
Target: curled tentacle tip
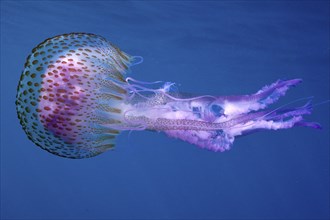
<point x="136" y="60"/>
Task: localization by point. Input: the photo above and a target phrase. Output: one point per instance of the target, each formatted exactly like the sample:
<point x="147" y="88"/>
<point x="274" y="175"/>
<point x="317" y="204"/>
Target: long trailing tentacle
<point x="137" y="88"/>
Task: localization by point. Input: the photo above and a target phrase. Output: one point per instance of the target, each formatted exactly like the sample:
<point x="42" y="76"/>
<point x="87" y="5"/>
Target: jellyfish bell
<point x="74" y="97"/>
<point x="69" y="92"/>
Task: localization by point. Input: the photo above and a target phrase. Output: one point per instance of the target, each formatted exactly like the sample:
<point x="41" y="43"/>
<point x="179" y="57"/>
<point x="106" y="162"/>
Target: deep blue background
<point x="222" y="48"/>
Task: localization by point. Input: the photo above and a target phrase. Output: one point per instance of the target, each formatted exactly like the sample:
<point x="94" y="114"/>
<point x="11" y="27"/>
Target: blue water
<point x="215" y="47"/>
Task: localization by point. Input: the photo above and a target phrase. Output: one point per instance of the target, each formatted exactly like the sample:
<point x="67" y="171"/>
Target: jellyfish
<point x="75" y="96"/>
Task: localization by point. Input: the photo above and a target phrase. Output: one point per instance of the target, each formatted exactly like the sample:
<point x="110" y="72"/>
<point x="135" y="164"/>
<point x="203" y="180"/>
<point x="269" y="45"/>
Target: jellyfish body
<point x="74" y="98"/>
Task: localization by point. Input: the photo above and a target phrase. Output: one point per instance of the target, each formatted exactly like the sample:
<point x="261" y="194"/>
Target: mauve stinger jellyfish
<point x="74" y="97"/>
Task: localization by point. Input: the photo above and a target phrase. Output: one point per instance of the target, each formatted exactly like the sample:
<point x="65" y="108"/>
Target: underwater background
<point x="206" y="47"/>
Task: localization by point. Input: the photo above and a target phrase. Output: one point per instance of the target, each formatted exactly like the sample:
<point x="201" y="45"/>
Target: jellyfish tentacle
<point x="260" y="100"/>
<point x="286" y="118"/>
<point x="128" y="79"/>
<point x="270" y="94"/>
<point x="232" y="118"/>
<point x="135" y="60"/>
<point x="165" y="92"/>
<point x="214" y="123"/>
<point x="220" y="136"/>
